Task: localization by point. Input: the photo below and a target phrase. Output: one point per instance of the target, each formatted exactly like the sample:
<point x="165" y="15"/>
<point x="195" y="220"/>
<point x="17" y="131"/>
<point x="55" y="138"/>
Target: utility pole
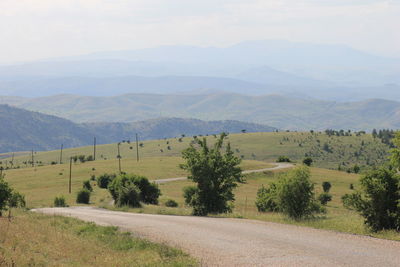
<point x="33" y="162"/>
<point x="70" y="174"/>
<point x="137" y="148"/>
<point x="62" y="146"/>
<point x="12" y="160"/>
<point x="119" y="158"/>
<point x="94" y="148"/>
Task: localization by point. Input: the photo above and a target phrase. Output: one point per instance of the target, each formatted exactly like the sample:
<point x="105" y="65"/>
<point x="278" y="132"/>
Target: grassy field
<point x="42" y="184"/>
<point x="32" y="239"/>
<point x="326" y="151"/>
<point x="337" y="217"/>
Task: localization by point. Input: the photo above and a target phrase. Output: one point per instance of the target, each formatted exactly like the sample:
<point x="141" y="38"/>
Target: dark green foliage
<point x="60" y="202"/>
<point x="171" y="203"/>
<point x="130" y="189"/>
<point x="293" y="194"/>
<point x="93" y="177"/>
<point x="82" y="158"/>
<point x="267" y="199"/>
<point x="83" y="196"/>
<point x="89" y="158"/>
<point x="5" y="194"/>
<point x="378" y="200"/>
<point x="283" y="159"/>
<point x="216" y="174"/>
<point x="308" y="161"/>
<point x="356" y="169"/>
<point x="189" y="194"/>
<point x="296" y="194"/>
<point x="9" y="198"/>
<point x="104" y="180"/>
<point x="324" y="198"/>
<point x="87" y="185"/>
<point x="351" y="186"/>
<point x="326" y="186"/>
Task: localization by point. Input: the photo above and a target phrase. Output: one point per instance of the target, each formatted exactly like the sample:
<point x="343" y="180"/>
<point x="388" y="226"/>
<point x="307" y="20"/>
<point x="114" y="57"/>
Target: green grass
<point x="42" y="184"/>
<point x="346" y="150"/>
<point x="337" y="217"/>
<point x="32" y="239"/>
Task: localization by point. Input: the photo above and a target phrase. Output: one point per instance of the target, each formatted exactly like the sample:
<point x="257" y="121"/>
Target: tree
<point x="308" y="161"/>
<point x="216" y="173"/>
<point x="130" y="189"/>
<point x="395" y="152"/>
<point x="5" y="194"/>
<point x="326" y="186"/>
<point x="378" y="200"/>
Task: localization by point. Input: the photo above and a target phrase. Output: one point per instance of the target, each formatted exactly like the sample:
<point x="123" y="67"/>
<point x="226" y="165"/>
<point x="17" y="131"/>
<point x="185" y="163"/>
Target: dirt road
<point x="277" y="167"/>
<point x="238" y="242"/>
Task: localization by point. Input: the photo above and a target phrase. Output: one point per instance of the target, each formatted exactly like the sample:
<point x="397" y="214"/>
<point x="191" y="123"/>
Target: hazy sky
<point x="32" y="29"/>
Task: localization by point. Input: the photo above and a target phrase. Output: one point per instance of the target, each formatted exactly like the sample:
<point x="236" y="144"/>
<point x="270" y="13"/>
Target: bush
<point x="324" y="198"/>
<point x="128" y="195"/>
<point x="104" y="180"/>
<point x="293" y="194"/>
<point x="379" y="198"/>
<point x="93" y="177"/>
<point x="171" y="203"/>
<point x="60" y="202"/>
<point x="189" y="193"/>
<point x="83" y="196"/>
<point x="126" y="184"/>
<point x="267" y="199"/>
<point x="216" y="172"/>
<point x="283" y="159"/>
<point x="5" y="194"/>
<point x="326" y="186"/>
<point x="87" y="185"/>
<point x="308" y="161"/>
<point x="296" y="194"/>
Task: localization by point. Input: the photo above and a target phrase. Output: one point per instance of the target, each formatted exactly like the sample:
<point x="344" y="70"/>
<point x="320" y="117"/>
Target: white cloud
<point x="31" y="29"/>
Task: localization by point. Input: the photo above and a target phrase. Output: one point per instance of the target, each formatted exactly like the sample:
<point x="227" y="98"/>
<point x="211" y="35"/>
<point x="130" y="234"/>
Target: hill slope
<point x="279" y="111"/>
<point x="25" y="130"/>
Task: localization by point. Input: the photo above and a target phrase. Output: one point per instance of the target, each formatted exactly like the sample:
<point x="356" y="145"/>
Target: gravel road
<point x="278" y="166"/>
<point x="239" y="242"/>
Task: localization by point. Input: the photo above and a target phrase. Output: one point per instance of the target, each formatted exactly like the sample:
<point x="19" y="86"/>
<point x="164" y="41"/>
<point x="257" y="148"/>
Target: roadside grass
<point x="43" y="183"/>
<point x="337" y="217"/>
<point x="344" y="150"/>
<point x="32" y="239"/>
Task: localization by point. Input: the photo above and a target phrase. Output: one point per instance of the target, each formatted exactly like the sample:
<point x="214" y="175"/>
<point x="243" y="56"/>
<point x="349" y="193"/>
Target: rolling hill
<point x="279" y="111"/>
<point x="25" y="130"/>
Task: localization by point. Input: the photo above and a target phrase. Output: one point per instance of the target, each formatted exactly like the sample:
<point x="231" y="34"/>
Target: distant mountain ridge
<point x="23" y="130"/>
<point x="279" y="111"/>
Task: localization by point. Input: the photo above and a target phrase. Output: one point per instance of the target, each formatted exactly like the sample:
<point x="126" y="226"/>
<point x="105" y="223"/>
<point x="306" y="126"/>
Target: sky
<point x="37" y="29"/>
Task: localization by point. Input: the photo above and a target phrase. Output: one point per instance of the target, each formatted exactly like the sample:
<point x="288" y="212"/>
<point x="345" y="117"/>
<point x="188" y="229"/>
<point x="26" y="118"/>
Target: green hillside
<point x="279" y="111"/>
<point x="326" y="151"/>
<point x="23" y="130"/>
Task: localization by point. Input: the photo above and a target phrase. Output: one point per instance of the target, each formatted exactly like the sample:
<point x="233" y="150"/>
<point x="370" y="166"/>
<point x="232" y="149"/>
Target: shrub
<point x="216" y="172"/>
<point x="60" y="202"/>
<point x="87" y="185"/>
<point x="125" y="184"/>
<point x="128" y="195"/>
<point x="83" y="196"/>
<point x="378" y="200"/>
<point x="16" y="200"/>
<point x="188" y="194"/>
<point x="308" y="161"/>
<point x="267" y="199"/>
<point x="324" y="198"/>
<point x="5" y="194"/>
<point x="326" y="186"/>
<point x="171" y="203"/>
<point x="283" y="159"/>
<point x="104" y="180"/>
<point x="351" y="186"/>
<point x="92" y="177"/>
<point x="89" y="158"/>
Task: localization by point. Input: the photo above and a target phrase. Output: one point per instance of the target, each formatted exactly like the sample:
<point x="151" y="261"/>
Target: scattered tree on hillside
<point x="215" y="172"/>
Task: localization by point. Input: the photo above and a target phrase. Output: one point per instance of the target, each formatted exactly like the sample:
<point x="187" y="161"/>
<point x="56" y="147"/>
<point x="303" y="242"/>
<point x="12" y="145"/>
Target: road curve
<point x="238" y="242"/>
<point x="278" y="166"/>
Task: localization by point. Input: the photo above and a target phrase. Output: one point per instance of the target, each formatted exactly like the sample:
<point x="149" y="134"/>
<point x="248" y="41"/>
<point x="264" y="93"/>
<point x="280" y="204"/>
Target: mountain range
<point x="23" y="130"/>
<point x="304" y="70"/>
<point x="275" y="110"/>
